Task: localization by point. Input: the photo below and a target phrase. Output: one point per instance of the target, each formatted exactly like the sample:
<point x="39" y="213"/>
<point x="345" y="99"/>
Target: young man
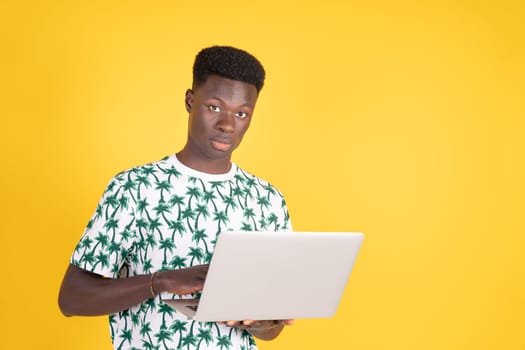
<point x="154" y="229"/>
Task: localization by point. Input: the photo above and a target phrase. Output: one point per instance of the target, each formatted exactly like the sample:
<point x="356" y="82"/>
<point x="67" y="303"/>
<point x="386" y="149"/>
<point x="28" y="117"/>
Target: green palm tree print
<point x="164" y="215"/>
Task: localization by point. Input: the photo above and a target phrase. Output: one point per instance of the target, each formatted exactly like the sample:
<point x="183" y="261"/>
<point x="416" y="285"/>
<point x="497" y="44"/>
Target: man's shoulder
<point x="146" y="173"/>
<point x="152" y="168"/>
<point x="244" y="175"/>
<point x="250" y="179"/>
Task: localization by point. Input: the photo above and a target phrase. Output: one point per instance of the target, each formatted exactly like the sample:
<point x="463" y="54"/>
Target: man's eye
<point x="214" y="108"/>
<point x="241" y="115"/>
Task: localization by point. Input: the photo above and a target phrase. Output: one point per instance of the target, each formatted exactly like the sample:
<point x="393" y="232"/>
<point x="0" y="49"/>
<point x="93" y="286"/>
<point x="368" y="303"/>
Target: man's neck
<point x="209" y="166"/>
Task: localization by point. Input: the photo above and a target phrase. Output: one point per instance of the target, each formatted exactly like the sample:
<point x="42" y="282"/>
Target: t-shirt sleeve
<point x="108" y="237"/>
<point x="279" y="218"/>
<point x="287" y="223"/>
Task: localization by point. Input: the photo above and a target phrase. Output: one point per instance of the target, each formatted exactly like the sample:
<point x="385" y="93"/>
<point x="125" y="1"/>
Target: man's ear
<point x="188" y="100"/>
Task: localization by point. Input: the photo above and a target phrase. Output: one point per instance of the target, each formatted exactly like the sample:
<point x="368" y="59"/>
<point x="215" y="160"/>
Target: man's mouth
<point x="221" y="146"/>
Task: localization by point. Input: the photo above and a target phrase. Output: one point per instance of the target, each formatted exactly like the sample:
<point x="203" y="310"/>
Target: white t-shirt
<point x="164" y="215"/>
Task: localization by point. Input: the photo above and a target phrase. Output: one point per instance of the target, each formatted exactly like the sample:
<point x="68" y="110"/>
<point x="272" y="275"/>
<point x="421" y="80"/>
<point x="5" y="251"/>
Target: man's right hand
<point x="181" y="281"/>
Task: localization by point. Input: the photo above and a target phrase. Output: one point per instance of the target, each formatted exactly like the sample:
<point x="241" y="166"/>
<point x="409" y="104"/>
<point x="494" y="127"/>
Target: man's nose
<point x="226" y="122"/>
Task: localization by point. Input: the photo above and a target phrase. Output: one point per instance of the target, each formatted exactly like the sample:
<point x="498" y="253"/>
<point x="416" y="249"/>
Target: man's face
<point x="220" y="111"/>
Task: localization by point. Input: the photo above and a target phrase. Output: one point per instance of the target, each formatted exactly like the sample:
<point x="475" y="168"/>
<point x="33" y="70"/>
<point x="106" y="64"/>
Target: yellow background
<point x="401" y="119"/>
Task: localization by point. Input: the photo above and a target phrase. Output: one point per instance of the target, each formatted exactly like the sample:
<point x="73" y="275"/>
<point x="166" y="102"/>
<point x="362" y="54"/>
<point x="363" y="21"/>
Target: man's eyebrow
<point x="216" y="98"/>
<point x="247" y="104"/>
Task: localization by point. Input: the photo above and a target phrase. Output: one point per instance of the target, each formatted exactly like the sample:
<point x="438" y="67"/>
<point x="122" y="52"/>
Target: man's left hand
<point x="265" y="330"/>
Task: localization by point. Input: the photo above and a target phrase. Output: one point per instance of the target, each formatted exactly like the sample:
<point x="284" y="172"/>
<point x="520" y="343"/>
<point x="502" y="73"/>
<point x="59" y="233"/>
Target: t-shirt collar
<point x="202" y="175"/>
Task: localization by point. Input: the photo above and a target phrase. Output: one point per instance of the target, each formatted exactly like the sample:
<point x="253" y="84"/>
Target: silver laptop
<point x="274" y="276"/>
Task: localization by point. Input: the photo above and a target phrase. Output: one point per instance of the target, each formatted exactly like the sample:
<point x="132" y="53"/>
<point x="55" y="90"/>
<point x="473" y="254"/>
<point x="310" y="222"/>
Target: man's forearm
<point x="87" y="294"/>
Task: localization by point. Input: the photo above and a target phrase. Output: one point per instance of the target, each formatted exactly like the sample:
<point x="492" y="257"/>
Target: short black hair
<point x="228" y="62"/>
